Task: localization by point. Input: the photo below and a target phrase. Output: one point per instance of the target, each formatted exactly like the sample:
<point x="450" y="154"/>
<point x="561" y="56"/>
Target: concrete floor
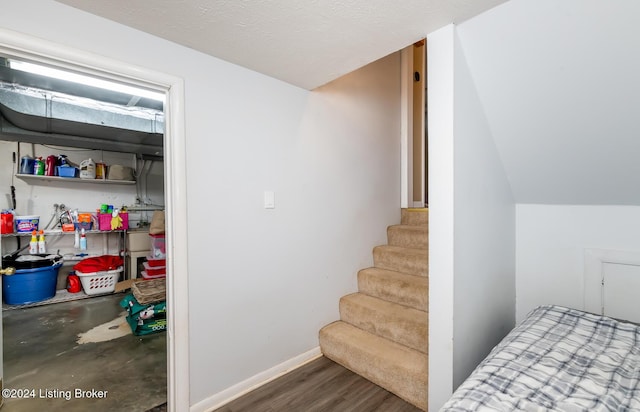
<point x="41" y="353"/>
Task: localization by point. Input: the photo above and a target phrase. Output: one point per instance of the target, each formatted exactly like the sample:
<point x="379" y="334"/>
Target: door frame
<point x="175" y="183"/>
<point x="407" y="163"/>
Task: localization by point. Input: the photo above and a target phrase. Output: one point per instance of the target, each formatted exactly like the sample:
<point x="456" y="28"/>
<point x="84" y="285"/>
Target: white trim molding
<point x="406" y="127"/>
<point x="594" y="259"/>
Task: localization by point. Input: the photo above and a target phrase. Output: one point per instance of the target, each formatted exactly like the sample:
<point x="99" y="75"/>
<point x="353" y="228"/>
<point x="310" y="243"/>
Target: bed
<point x="557" y="359"/>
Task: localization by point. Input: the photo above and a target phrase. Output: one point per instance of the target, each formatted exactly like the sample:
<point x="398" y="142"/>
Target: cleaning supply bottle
<point x="38" y="167"/>
<point x="50" y="165"/>
<point x="88" y="169"/>
<point x="42" y="247"/>
<point x="26" y="165"/>
<point x="33" y="244"/>
<point x="83" y="240"/>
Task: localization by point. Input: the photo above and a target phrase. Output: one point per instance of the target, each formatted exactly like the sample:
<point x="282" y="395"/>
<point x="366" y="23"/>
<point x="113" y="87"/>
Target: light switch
<point x="269" y="199"/>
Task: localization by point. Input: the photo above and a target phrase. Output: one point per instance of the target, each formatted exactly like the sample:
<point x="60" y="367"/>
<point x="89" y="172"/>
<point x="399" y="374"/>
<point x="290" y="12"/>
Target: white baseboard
<point x="221" y="398"/>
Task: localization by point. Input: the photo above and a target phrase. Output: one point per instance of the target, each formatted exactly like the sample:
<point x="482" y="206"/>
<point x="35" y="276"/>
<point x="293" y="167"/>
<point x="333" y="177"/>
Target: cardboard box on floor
<point x="124" y="285"/>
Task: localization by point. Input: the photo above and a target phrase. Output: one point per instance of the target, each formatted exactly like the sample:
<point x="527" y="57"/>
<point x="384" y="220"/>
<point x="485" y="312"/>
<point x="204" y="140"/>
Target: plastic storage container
<point x="138" y="240"/>
<point x="104" y="221"/>
<point x="147" y="276"/>
<point x="154" y="270"/>
<point x="84" y="225"/>
<point x="153" y="262"/>
<point x="85" y="221"/>
<point x="158" y="250"/>
<point x="27" y="224"/>
<point x="30" y="285"/>
<point x="99" y="282"/>
<point x="6" y="223"/>
<point x="66" y="171"/>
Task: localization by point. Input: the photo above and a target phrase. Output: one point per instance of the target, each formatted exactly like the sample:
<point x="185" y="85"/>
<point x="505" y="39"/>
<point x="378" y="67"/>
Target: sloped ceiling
<point x="560" y="85"/>
<point x="305" y="43"/>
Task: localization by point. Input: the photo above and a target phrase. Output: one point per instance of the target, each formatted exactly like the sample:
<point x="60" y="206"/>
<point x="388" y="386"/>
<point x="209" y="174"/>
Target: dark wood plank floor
<point x="320" y="385"/>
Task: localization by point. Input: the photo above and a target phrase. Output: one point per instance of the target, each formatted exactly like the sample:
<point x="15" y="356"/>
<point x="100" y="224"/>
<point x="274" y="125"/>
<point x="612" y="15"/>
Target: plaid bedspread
<point x="557" y="359"/>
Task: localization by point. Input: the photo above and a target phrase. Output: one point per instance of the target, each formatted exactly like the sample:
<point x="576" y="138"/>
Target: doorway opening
<point x="420" y="140"/>
<point x="78" y="128"/>
<point x="414" y="141"/>
<point x="50" y="54"/>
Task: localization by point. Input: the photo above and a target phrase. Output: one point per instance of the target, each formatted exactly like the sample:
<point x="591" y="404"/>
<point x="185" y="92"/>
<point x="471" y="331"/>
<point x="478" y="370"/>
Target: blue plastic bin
<point x="30" y="285"/>
<point x="66" y="171"/>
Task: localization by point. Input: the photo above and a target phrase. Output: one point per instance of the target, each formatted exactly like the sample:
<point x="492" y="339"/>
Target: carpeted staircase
<point x="382" y="333"/>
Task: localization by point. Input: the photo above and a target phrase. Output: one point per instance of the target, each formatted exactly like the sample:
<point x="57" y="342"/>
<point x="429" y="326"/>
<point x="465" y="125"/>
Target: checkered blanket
<point x="557" y="359"/>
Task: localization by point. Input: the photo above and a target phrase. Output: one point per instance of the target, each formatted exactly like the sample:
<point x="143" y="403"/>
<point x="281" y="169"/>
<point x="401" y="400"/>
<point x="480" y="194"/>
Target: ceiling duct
<point x="37" y="109"/>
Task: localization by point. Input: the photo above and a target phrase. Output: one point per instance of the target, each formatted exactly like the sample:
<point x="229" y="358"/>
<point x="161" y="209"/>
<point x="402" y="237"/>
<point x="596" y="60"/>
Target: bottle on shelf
<point x="38" y="167"/>
<point x="33" y="244"/>
<point x="83" y="240"/>
<point x="42" y="247"/>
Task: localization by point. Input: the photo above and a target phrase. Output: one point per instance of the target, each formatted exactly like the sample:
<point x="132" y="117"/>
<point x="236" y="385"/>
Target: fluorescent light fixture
<point x="86" y="80"/>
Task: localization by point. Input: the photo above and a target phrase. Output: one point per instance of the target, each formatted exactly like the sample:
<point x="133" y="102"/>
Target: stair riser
<point x="408" y="290"/>
<point x="397" y="369"/>
<point x="401" y="261"/>
<point x="409" y="327"/>
<point x="408" y="237"/>
<point x="415" y="218"/>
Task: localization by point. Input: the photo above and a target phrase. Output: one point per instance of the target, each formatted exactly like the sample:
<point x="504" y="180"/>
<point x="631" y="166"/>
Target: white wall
<point x="551" y="240"/>
<point x="558" y="82"/>
<point x="440" y="86"/>
<point x="561" y="105"/>
<point x="262" y="282"/>
<point x="472" y="224"/>
<point x="484" y="235"/>
<point x="540" y="116"/>
<point x="332" y="159"/>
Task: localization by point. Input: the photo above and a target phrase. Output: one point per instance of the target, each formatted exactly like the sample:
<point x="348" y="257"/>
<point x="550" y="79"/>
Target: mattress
<point x="557" y="359"/>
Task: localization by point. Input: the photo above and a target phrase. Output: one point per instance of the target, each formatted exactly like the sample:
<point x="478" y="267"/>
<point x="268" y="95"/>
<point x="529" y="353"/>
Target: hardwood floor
<point x="319" y="386"/>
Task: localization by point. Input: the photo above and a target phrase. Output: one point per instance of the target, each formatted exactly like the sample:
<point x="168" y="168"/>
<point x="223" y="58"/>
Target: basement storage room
<point x="82" y="241"/>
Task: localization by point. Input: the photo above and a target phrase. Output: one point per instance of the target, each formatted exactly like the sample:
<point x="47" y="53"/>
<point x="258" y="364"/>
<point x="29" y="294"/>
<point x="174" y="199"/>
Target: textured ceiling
<point x="305" y="43"/>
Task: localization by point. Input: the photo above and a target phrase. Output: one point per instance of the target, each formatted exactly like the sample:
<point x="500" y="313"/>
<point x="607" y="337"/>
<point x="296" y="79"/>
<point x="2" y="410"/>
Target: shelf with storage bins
<point x="60" y="232"/>
<point x="42" y="178"/>
<point x="78" y="255"/>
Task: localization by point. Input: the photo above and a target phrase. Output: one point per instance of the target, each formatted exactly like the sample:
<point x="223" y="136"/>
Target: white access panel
<point x="621" y="291"/>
